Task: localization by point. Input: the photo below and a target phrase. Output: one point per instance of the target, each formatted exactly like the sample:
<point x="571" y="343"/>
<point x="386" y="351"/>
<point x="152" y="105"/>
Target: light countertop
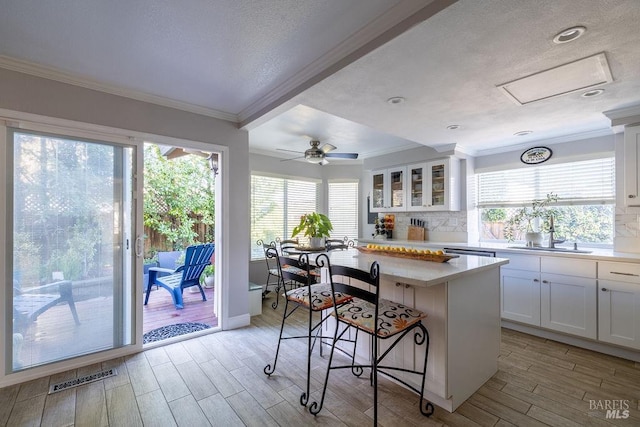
<point x="596" y="253"/>
<point x="416" y="272"/>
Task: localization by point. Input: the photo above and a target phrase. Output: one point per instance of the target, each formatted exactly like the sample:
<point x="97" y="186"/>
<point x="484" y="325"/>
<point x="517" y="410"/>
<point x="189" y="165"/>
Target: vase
<point x="316" y="242"/>
<point x="533" y="238"/>
<point x="209" y="281"/>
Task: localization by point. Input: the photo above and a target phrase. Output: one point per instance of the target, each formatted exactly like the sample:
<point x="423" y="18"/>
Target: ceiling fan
<point x="317" y="154"/>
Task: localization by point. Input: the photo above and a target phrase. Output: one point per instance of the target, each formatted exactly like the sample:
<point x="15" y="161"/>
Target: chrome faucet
<point x="552" y="242"/>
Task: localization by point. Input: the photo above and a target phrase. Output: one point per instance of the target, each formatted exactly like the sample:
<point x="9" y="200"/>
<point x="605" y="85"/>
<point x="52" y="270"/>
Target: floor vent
<point x="54" y="388"/>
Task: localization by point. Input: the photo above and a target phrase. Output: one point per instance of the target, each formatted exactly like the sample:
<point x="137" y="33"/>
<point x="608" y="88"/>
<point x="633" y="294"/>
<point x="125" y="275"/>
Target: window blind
<point x="276" y="207"/>
<point x="343" y="209"/>
<point x="577" y="183"/>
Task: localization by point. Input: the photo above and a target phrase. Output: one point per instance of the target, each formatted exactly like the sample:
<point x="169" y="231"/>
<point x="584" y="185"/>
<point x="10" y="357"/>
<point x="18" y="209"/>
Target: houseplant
<point x="207" y="277"/>
<point x="314" y="225"/>
<point x="524" y="219"/>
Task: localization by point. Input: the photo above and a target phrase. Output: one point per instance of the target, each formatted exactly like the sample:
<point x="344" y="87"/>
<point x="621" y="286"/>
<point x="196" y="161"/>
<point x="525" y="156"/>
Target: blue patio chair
<point x="187" y="275"/>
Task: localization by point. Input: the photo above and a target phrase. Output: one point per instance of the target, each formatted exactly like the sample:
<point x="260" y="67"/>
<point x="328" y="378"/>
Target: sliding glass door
<point x="70" y="245"/>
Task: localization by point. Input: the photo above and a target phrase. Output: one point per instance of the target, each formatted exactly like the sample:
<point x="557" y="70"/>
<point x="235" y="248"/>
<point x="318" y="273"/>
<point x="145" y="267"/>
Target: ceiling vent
<point x="572" y="77"/>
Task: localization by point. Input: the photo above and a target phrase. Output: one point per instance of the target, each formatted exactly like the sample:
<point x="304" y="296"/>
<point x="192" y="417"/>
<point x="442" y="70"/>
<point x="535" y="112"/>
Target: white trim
<point x="236" y="321"/>
<point x="85" y="82"/>
<point x="5" y="320"/>
<point x="624" y="116"/>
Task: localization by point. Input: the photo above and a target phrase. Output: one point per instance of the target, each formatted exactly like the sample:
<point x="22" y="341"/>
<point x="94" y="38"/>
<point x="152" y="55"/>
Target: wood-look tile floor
<point x="217" y="379"/>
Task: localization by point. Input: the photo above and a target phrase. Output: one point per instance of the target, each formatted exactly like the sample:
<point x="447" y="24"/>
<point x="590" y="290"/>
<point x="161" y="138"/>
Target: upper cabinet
<point x="631" y="165"/>
<point x="434" y="186"/>
<point x="428" y="186"/>
<point x="389" y="188"/>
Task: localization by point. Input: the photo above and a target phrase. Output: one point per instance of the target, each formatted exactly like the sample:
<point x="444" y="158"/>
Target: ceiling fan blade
<point x="291" y="151"/>
<point x="327" y="147"/>
<point x="342" y="155"/>
<point x="293" y="158"/>
<point x="324" y="162"/>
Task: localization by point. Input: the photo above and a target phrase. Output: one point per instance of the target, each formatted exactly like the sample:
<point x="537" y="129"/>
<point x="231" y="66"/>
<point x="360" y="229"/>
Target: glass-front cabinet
<point x="434" y="186"/>
<point x="389" y="189"/>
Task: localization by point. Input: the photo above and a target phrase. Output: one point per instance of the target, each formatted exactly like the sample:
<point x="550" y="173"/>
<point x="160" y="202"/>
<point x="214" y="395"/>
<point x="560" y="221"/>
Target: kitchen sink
<point x="542" y="248"/>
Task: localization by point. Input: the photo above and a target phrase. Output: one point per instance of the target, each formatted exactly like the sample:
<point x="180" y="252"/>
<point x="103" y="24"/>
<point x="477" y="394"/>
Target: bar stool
<point x="379" y="318"/>
<point x="315" y="297"/>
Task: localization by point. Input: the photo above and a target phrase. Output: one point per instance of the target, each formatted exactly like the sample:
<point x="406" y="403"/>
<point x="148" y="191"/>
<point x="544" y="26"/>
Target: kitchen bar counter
<point x="462" y="300"/>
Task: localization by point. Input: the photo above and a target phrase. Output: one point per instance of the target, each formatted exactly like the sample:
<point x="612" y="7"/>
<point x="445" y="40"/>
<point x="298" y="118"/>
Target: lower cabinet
<point x="520" y="296"/>
<point x="619" y="313"/>
<point x="569" y="304"/>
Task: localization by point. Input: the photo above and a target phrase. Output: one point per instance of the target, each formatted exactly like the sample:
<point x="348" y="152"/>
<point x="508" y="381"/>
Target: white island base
<point x="462" y="300"/>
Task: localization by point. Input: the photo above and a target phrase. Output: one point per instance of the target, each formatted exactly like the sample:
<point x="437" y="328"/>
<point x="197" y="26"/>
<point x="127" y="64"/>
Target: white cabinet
<point x="434" y="186"/>
<point x="619" y="303"/>
<point x="568" y="304"/>
<point x="631" y="165"/>
<point x="389" y="188"/>
<point x="520" y="296"/>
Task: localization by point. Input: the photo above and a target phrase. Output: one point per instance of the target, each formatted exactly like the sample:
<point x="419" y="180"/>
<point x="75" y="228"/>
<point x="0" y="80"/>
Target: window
<point x="586" y="196"/>
<point x="276" y="207"/>
<point x="343" y="209"/>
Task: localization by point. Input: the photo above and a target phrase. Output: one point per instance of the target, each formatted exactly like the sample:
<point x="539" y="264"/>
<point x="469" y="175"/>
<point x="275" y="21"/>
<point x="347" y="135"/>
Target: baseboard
<point x="236" y="322"/>
<point x="612" y="350"/>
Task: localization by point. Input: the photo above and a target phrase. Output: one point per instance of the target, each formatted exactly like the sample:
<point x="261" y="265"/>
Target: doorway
<point x="179" y="211"/>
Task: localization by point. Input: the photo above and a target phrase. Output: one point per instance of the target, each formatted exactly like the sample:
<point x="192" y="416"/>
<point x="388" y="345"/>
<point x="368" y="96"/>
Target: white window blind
<point x="276" y="207"/>
<point x="578" y="183"/>
<point x="343" y="209"/>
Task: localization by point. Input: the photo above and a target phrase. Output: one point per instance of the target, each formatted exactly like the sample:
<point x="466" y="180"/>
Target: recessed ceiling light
<point x="569" y="35"/>
<point x="592" y="93"/>
<point x="523" y="133"/>
<point x="454" y="127"/>
<point x="395" y="100"/>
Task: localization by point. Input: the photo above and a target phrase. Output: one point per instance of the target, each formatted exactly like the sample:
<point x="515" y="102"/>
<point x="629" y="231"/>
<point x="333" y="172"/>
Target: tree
<point x="177" y="194"/>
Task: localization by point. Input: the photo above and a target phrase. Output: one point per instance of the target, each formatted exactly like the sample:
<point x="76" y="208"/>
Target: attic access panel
<point x="572" y="77"/>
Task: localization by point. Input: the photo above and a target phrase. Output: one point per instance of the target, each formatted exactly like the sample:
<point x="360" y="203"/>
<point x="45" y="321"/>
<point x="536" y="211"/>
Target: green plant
<point x="208" y="271"/>
<point x="524" y="218"/>
<point x="313" y="225"/>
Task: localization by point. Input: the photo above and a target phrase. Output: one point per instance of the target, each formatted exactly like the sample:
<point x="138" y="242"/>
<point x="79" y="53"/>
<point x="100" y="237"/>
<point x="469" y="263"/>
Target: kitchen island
<point x="462" y="300"/>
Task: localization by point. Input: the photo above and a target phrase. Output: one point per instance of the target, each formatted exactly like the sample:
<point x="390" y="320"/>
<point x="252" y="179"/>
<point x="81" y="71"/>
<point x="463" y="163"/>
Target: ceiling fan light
<point x="314" y="157"/>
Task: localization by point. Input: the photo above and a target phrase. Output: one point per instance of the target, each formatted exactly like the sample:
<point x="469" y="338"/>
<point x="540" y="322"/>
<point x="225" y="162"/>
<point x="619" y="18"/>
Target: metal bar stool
<point x="379" y="318"/>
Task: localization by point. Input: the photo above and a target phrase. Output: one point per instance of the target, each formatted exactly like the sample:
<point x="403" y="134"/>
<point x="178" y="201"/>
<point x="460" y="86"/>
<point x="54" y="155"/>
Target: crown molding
<point x="55" y="74"/>
<point x="549" y="141"/>
<point x="624" y="116"/>
<point x="387" y="26"/>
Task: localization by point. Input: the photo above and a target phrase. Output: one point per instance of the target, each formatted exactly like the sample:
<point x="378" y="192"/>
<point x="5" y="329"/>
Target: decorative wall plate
<point x="536" y="155"/>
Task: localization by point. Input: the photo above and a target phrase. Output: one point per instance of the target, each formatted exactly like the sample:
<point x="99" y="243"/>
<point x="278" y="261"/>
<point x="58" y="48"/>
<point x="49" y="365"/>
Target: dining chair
<point x="310" y="295"/>
<point x="272" y="269"/>
<point x="381" y="320"/>
<point x="286" y="244"/>
<point x="342" y="244"/>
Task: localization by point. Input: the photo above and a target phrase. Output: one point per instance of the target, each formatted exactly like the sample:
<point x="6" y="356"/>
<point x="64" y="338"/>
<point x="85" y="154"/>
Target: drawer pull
<point x="625" y="274"/>
<point x="536" y="280"/>
<point x="545" y="281"/>
<point x="604" y="289"/>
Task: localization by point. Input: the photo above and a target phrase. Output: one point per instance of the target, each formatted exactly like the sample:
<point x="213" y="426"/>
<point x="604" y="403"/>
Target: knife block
<point x="415" y="233"/>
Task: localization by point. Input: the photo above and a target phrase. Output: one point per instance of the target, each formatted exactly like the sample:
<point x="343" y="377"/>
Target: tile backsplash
<point x="627" y="230"/>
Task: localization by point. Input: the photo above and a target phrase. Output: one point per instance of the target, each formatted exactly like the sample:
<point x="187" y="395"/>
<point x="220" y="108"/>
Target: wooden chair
<point x="188" y="275"/>
<point x="379" y="318"/>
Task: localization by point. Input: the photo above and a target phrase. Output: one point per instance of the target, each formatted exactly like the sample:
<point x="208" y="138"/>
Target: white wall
<point x="29" y="94"/>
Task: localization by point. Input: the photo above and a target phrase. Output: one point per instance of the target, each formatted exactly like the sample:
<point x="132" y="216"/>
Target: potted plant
<point x="314" y="225"/>
<point x="524" y="219"/>
<point x="207" y="278"/>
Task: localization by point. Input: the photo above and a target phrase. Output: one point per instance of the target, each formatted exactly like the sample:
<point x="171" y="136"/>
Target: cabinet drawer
<point x="569" y="266"/>
<point x="619" y="271"/>
<point x="521" y="262"/>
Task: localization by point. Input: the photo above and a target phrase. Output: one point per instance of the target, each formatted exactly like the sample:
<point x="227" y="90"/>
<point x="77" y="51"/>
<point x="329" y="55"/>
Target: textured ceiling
<point x="230" y="57"/>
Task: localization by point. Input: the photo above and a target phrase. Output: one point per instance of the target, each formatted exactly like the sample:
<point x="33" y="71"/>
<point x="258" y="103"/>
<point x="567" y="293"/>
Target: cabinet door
<point x="619" y="313"/>
<point x="443" y="185"/>
<point x="520" y="296"/>
<point x="379" y="190"/>
<point x="568" y="304"/>
<point x="398" y="188"/>
<point x="402" y="355"/>
<point x="631" y="165"/>
<point x="417" y="187"/>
